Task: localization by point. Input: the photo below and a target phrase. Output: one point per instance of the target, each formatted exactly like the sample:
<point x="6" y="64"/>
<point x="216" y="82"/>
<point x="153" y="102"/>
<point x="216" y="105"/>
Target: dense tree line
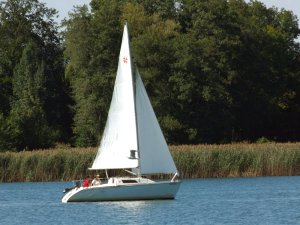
<point x="216" y="71"/>
<point x="34" y="98"/>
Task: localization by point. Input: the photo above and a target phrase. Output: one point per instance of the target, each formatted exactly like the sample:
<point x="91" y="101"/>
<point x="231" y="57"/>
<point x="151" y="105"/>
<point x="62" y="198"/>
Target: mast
<point x="133" y="74"/>
<point x="137" y="127"/>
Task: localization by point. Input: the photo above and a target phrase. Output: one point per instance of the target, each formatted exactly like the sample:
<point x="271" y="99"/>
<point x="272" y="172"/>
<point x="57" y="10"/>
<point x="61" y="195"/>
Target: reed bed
<point x="237" y="160"/>
<point x="46" y="165"/>
<point x="192" y="161"/>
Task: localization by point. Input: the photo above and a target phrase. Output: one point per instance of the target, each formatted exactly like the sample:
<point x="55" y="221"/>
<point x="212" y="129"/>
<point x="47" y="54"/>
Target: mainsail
<point x="132" y="137"/>
<point x="120" y="135"/>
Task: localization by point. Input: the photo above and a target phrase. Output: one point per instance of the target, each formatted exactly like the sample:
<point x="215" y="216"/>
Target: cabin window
<point x="129" y="181"/>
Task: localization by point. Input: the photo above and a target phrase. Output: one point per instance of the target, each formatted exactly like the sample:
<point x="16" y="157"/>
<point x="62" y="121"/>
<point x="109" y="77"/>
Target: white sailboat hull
<point x="113" y="192"/>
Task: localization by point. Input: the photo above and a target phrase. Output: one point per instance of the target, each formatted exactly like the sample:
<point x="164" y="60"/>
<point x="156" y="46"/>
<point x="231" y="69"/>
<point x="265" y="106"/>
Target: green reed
<point x="236" y="160"/>
<point x="192" y="161"/>
<point x="46" y="165"/>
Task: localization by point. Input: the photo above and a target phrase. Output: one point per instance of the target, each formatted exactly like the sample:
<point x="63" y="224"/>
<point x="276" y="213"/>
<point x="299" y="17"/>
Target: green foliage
<point x="262" y="140"/>
<point x="152" y="50"/>
<point x="216" y="71"/>
<point x="35" y="102"/>
<point x="27" y="117"/>
<point x="205" y="66"/>
<point x="92" y="53"/>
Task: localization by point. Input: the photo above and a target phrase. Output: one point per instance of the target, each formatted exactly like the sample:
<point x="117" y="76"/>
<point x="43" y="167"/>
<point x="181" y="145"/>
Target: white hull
<point x="120" y="192"/>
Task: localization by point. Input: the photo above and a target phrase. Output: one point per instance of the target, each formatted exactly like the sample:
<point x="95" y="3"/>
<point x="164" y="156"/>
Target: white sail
<point x="120" y="134"/>
<point x="154" y="153"/>
<point x="132" y="126"/>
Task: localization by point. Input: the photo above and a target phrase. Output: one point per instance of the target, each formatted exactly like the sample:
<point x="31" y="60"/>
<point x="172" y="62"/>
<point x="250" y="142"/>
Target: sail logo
<point x="125" y="60"/>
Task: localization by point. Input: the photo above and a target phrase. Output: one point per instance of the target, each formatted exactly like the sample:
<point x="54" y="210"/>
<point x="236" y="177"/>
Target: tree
<point x="25" y="23"/>
<point x="165" y="8"/>
<point x="152" y="51"/>
<point x="206" y="54"/>
<point x="92" y="40"/>
<point x="216" y="71"/>
<point x="28" y="118"/>
<point x="267" y="73"/>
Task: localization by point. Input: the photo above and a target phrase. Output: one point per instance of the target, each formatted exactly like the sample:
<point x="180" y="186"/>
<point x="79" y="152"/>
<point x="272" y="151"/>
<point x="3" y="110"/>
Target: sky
<point x="64" y="6"/>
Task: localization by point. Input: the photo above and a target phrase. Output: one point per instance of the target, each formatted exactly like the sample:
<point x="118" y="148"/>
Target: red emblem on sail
<point x="125" y="60"/>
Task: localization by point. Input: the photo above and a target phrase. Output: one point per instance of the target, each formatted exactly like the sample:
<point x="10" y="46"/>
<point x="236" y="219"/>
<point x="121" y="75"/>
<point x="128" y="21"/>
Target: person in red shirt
<point x="87" y="181"/>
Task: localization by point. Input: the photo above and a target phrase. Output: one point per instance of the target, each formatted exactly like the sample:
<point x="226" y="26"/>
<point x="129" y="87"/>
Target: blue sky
<point x="64" y="6"/>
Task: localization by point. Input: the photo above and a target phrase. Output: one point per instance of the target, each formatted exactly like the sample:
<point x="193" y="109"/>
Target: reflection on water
<point x="268" y="200"/>
<point x="130" y="205"/>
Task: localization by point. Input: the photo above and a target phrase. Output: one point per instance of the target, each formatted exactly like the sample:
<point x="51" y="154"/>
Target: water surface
<point x="263" y="200"/>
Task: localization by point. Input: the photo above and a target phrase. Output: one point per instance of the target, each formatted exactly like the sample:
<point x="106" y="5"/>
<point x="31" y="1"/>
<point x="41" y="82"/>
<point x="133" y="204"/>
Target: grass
<point x="192" y="161"/>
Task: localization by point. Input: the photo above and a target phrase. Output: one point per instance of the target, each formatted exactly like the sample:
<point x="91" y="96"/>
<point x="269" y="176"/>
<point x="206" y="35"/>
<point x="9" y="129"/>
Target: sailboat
<point x="132" y="141"/>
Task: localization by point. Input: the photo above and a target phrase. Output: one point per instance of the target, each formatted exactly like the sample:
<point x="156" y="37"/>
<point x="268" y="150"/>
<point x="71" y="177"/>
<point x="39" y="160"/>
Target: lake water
<point x="263" y="200"/>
